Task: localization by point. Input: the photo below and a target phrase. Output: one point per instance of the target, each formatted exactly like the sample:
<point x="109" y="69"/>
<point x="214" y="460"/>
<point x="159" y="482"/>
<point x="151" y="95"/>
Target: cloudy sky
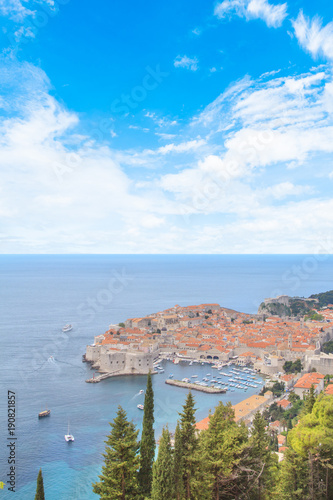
<point x="166" y="127"/>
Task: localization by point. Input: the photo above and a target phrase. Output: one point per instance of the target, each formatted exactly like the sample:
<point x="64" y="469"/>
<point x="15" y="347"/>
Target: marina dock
<point x="195" y="387"/>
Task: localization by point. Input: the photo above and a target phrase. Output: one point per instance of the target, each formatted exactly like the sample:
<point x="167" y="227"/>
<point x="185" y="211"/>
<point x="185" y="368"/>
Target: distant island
<point x="285" y="329"/>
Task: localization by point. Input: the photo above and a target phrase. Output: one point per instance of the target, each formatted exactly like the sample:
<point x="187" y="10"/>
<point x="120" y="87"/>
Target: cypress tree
<point x="147" y="444"/>
<point x="119" y="474"/>
<point x="178" y="463"/>
<point x="309" y="401"/>
<point x="188" y="443"/>
<point x="163" y="487"/>
<point x="40" y="487"/>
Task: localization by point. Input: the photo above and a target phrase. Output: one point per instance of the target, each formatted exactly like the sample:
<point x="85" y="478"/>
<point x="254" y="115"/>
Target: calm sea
<point x="40" y="294"/>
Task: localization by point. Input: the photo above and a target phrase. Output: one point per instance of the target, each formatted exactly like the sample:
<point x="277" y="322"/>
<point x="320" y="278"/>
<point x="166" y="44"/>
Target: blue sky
<point x="178" y="127"/>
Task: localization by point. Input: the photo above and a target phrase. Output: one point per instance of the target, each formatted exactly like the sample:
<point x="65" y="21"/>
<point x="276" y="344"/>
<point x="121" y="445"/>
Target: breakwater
<point x="196" y="387"/>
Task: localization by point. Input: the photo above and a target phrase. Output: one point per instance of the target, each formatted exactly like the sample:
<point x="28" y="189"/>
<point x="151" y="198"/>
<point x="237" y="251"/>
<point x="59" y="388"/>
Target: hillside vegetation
<point x="297" y="306"/>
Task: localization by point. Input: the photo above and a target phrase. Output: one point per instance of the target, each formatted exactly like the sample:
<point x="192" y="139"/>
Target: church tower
<point x="290" y="341"/>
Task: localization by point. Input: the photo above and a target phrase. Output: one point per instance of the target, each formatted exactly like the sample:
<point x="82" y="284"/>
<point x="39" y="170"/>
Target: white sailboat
<point x="69" y="437"/>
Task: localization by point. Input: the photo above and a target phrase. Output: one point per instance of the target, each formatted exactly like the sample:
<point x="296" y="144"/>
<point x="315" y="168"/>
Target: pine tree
<point x="293" y="477"/>
<point x="163" y="487"/>
<point x="178" y="464"/>
<point x="188" y="443"/>
<point x="220" y="449"/>
<point x="312" y="439"/>
<point x="147" y="444"/>
<point x="40" y="487"/>
<point x="118" y="480"/>
<point x="261" y="457"/>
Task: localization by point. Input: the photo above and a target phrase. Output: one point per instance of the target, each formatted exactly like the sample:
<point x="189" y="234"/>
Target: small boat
<point x="171" y="375"/>
<point x="44" y="413"/>
<point x="141" y="407"/>
<point x="67" y="328"/>
<point x="69" y="437"/>
<point x="194" y="376"/>
<point x="141" y="391"/>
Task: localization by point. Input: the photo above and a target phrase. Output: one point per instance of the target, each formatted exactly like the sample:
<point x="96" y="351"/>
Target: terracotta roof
<point x="329" y="389"/>
<point x="284" y="403"/>
<point x="203" y="424"/>
<point x="309" y="379"/>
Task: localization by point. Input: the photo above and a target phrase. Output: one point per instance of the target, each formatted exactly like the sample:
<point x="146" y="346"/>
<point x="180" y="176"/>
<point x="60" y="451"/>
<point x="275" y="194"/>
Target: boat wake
<point x="137" y="394"/>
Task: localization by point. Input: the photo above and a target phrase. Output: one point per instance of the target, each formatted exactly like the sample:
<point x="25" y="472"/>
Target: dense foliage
<point x="293" y="366"/>
<point x="324" y="299"/>
<point x="227" y="460"/>
<point x="314" y="316"/>
<point x="277" y="389"/>
<point x="119" y="473"/>
<point x="328" y="347"/>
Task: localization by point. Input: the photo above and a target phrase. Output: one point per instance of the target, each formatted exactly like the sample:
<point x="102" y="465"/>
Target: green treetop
<point x="188" y="442"/>
<point x="40" y="487"/>
<point x="220" y="449"/>
<point x="118" y="480"/>
<point x="312" y="440"/>
<point x="293" y="478"/>
<point x="163" y="487"/>
<point x="178" y="463"/>
<point x="147" y="444"/>
<point x="262" y="459"/>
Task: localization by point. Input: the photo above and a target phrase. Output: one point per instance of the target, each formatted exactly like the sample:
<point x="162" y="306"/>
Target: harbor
<point x="196" y="387"/>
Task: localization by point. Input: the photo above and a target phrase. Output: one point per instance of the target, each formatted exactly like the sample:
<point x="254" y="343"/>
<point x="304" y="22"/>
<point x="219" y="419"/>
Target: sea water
<point x="43" y="366"/>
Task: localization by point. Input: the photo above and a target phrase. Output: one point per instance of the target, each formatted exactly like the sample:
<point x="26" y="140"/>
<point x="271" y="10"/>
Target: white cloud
<point x="56" y="184"/>
<point x="197" y="31"/>
<point x="25" y="32"/>
<point x="14" y="10"/>
<point x="160" y="121"/>
<point x="183" y="147"/>
<point x="151" y="221"/>
<point x="221" y="177"/>
<point x="313" y="37"/>
<point x="273" y="15"/>
<point x="280" y="122"/>
<point x="284" y="189"/>
<point x="186" y="62"/>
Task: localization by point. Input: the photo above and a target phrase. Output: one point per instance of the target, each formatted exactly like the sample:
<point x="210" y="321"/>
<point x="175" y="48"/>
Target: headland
<point x="209" y="333"/>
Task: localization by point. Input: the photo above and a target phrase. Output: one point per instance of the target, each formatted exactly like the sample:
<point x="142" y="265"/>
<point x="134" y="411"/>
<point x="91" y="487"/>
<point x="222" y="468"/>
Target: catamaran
<point x="69" y="437"/>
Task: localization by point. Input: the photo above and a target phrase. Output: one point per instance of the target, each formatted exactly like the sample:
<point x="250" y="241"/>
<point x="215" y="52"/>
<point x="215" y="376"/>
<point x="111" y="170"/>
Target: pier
<point x="195" y="387"/>
<point x="97" y="379"/>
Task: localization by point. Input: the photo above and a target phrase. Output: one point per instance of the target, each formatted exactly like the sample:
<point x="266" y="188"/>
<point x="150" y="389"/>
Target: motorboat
<point x="67" y="328"/>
